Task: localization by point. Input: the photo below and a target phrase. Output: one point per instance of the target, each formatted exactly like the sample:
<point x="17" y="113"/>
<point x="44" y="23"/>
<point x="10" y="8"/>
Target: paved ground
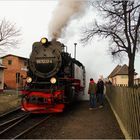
<point x="8" y="101"/>
<point x="80" y="123"/>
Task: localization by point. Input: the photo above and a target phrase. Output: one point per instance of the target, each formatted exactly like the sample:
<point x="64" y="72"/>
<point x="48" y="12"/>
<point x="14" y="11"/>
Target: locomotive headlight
<point x="29" y="79"/>
<point x="53" y="80"/>
<point x="44" y="40"/>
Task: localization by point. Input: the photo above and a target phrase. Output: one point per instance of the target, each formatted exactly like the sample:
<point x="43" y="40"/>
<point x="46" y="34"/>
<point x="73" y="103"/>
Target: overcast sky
<point x="33" y="18"/>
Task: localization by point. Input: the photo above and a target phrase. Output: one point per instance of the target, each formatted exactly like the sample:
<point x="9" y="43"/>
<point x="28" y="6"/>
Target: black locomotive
<point x="54" y="78"/>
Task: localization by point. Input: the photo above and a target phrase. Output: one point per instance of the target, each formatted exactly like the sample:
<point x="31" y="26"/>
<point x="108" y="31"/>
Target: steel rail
<point x="12" y="120"/>
<point x="30" y="128"/>
<point x="11" y="126"/>
<point x="7" y="113"/>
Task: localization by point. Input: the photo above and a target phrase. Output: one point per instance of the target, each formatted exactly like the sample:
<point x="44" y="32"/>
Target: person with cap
<point x="92" y="93"/>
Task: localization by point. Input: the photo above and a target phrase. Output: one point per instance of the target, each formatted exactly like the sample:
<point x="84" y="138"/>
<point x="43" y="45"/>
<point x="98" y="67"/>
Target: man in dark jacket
<point x="100" y="92"/>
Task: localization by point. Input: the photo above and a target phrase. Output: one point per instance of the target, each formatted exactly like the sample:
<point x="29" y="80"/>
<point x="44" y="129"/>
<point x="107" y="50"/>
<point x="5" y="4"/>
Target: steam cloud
<point x="64" y="12"/>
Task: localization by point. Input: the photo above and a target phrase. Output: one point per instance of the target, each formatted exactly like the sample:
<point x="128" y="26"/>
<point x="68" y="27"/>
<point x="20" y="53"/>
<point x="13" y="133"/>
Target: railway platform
<point x="99" y="123"/>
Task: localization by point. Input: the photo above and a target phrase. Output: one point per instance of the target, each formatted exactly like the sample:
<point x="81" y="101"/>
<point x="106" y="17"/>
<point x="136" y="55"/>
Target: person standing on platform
<point x="100" y="90"/>
<point x="92" y="93"/>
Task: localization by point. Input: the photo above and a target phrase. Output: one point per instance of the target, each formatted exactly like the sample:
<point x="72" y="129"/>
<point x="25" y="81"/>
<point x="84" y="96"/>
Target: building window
<point x="123" y="76"/>
<point x="25" y="63"/>
<point x="115" y="81"/>
<point x="9" y="62"/>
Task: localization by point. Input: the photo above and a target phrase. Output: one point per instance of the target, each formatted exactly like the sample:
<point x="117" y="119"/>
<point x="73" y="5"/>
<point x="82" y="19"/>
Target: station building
<point x="15" y="70"/>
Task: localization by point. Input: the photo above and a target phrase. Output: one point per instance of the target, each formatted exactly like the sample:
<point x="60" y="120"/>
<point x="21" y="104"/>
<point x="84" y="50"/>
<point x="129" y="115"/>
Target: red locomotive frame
<point x="50" y="106"/>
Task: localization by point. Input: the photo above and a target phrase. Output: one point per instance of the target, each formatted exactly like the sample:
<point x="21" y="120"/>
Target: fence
<point x="125" y="103"/>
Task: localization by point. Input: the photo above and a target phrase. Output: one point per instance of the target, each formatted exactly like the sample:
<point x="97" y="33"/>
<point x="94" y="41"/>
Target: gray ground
<point x="76" y="123"/>
<point x="80" y="123"/>
<point x="8" y="101"/>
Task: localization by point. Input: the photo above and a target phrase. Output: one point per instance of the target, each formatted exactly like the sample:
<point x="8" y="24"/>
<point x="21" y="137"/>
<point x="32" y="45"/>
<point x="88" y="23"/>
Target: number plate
<point x="44" y="61"/>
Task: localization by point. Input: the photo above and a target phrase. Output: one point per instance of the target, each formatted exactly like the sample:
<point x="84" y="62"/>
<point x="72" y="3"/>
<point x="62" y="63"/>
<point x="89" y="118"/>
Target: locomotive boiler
<point x="54" y="78"/>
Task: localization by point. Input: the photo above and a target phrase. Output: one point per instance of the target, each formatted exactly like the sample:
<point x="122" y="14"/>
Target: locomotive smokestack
<point x="64" y="12"/>
<point x="75" y="44"/>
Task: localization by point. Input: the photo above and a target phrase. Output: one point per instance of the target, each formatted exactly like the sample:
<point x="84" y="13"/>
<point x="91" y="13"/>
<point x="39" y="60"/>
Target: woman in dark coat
<point x="100" y="92"/>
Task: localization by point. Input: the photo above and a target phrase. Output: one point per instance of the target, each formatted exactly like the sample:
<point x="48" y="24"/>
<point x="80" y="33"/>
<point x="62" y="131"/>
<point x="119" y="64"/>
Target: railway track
<point x="20" y="125"/>
<point x="11" y="115"/>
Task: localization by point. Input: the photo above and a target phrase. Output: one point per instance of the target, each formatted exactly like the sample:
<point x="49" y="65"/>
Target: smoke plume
<point x="65" y="11"/>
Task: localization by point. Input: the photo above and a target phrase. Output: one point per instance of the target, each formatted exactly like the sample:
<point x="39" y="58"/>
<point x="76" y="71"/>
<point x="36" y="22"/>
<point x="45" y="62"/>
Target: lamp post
<point x="75" y="50"/>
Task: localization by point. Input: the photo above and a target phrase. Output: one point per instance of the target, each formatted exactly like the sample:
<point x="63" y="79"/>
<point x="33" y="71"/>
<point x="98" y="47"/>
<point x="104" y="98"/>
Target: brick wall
<point x="14" y="64"/>
<point x="1" y="79"/>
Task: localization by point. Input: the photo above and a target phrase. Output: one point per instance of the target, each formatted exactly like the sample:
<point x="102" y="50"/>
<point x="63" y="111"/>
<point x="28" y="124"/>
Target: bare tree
<point x="122" y="26"/>
<point x="8" y="35"/>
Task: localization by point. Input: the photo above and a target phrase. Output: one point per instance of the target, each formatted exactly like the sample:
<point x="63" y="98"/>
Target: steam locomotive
<point x="54" y="78"/>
